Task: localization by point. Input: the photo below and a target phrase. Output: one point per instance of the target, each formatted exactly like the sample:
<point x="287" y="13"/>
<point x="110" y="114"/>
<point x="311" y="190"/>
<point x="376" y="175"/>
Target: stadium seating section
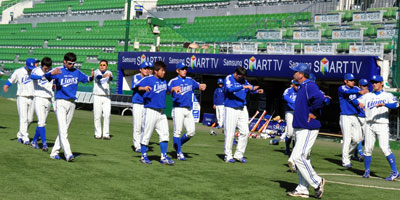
<point x="51" y="6"/>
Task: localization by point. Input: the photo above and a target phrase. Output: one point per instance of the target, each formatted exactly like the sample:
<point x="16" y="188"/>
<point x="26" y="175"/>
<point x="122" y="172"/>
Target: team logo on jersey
<point x="65" y="82"/>
<point x="142" y="59"/>
<point x="42" y="82"/>
<point x="372" y="104"/>
<point x="193" y="62"/>
<point x="252" y="63"/>
<point x="324" y="65"/>
<point x="185" y="88"/>
<point x="25" y="80"/>
<point x="159" y="87"/>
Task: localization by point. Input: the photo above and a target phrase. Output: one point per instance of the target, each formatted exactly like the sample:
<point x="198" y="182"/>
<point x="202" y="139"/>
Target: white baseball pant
<point x="101" y="106"/>
<point x="154" y="119"/>
<point x="183" y="117"/>
<point x="219" y="111"/>
<point x="25" y="111"/>
<point x="236" y="117"/>
<point x="352" y="135"/>
<point x="289" y="124"/>
<point x="64" y="111"/>
<point x="381" y="131"/>
<point x="138" y="111"/>
<point x="42" y="109"/>
<point x="305" y="140"/>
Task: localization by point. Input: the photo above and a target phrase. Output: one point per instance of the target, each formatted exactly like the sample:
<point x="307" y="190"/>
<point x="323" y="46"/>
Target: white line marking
<point x="358" y="185"/>
<point x="327" y="174"/>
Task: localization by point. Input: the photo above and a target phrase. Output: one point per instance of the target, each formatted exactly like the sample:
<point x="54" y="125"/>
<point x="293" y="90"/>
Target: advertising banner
<point x="269" y="34"/>
<point x="328" y="18"/>
<point x="367" y="16"/>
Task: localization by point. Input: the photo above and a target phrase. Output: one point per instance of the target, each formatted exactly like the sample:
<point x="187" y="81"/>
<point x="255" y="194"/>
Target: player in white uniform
<point x="236" y="89"/>
<point x="24" y="98"/>
<point x="155" y="88"/>
<point x="219" y="98"/>
<point x="182" y="88"/>
<point x="376" y="105"/>
<point x="66" y="79"/>
<point x="101" y="100"/>
<point x="137" y="104"/>
<point x="42" y="101"/>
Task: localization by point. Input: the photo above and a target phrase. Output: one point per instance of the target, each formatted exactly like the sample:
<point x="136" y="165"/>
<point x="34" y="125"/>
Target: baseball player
<point x="137" y="104"/>
<point x="101" y="100"/>
<point x="219" y="99"/>
<point x="377" y="105"/>
<point x="349" y="122"/>
<point x="306" y="124"/>
<point x="363" y="85"/>
<point x="236" y="89"/>
<point x="66" y="79"/>
<point x="24" y="97"/>
<point x="181" y="88"/>
<point x="155" y="88"/>
<point x="42" y="101"/>
<point x="290" y="97"/>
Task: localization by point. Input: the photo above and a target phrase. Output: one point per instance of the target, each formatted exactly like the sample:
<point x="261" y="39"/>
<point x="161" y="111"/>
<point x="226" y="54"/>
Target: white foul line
<point x="327" y="174"/>
<point x="359" y="185"/>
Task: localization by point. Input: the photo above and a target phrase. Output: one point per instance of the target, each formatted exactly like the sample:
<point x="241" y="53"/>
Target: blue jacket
<point x="289" y="96"/>
<point x="188" y="85"/>
<point x="309" y="100"/>
<point x="137" y="96"/>
<point x="346" y="97"/>
<point x="67" y="82"/>
<point x="155" y="98"/>
<point x="235" y="95"/>
<point x="219" y="96"/>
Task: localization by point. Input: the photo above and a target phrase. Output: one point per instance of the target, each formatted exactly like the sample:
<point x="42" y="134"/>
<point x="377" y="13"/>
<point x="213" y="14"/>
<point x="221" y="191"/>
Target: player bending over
<point x="43" y="98"/>
<point x="155" y="88"/>
<point x="24" y="98"/>
<point x="181" y="88"/>
<point x="66" y="78"/>
<point x="376" y="105"/>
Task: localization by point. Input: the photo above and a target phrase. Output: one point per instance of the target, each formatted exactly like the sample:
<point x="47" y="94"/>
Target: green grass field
<point x="111" y="170"/>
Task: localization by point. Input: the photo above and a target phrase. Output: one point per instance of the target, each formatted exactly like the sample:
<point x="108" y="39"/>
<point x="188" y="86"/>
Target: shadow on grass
<point x="187" y="155"/>
<point x="79" y="154"/>
<point x="286" y="185"/>
<point x="149" y="148"/>
<point x="3" y="127"/>
<point x="335" y="161"/>
<point x="221" y="156"/>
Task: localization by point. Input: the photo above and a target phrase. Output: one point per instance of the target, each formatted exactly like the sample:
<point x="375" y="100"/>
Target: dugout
<point x="272" y="72"/>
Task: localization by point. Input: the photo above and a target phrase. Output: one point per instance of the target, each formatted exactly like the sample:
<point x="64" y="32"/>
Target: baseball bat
<point x="254" y="116"/>
<point x="259" y="120"/>
<point x="214" y="124"/>
<point x="266" y="123"/>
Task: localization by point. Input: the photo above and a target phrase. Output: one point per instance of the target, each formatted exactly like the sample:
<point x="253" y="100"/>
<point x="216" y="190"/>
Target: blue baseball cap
<point x="294" y="82"/>
<point x="313" y="77"/>
<point x="349" y="77"/>
<point x="181" y="65"/>
<point x="376" y="78"/>
<point x="145" y="64"/>
<point x="30" y="63"/>
<point x="220" y="81"/>
<point x="363" y="82"/>
<point x="302" y="67"/>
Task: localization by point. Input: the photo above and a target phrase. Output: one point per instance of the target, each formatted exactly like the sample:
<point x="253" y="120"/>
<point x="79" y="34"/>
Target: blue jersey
<point x="156" y="97"/>
<point x="361" y="112"/>
<point x="289" y="96"/>
<point x="219" y="96"/>
<point x="137" y="96"/>
<point x="67" y="82"/>
<point x="235" y="95"/>
<point x="346" y="97"/>
<point x="184" y="98"/>
<point x="309" y="100"/>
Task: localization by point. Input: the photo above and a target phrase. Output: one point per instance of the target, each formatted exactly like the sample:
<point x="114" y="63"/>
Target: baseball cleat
<point x="230" y="160"/>
<point x="292" y="166"/>
<point x="320" y="190"/>
<point x="34" y="145"/>
<point x="393" y="176"/>
<point x="241" y="160"/>
<point x="138" y="150"/>
<point x="366" y="174"/>
<point x="70" y="158"/>
<point x="356" y="158"/>
<point x="295" y="193"/>
<point x="20" y="140"/>
<point x="348" y="166"/>
<point x="166" y="161"/>
<point x="45" y="148"/>
<point x="26" y="143"/>
<point x="56" y="157"/>
<point x="107" y="137"/>
<point x="180" y="156"/>
<point x="97" y="137"/>
<point x="145" y="160"/>
<point x="218" y="127"/>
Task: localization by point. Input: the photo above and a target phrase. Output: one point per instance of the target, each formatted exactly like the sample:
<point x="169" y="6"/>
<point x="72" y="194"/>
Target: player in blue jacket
<point x="219" y="98"/>
<point x="182" y="88"/>
<point x="349" y="122"/>
<point x="66" y="79"/>
<point x="289" y="96"/>
<point x="306" y="124"/>
<point x="137" y="104"/>
<point x="155" y="88"/>
<point x="236" y="89"/>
